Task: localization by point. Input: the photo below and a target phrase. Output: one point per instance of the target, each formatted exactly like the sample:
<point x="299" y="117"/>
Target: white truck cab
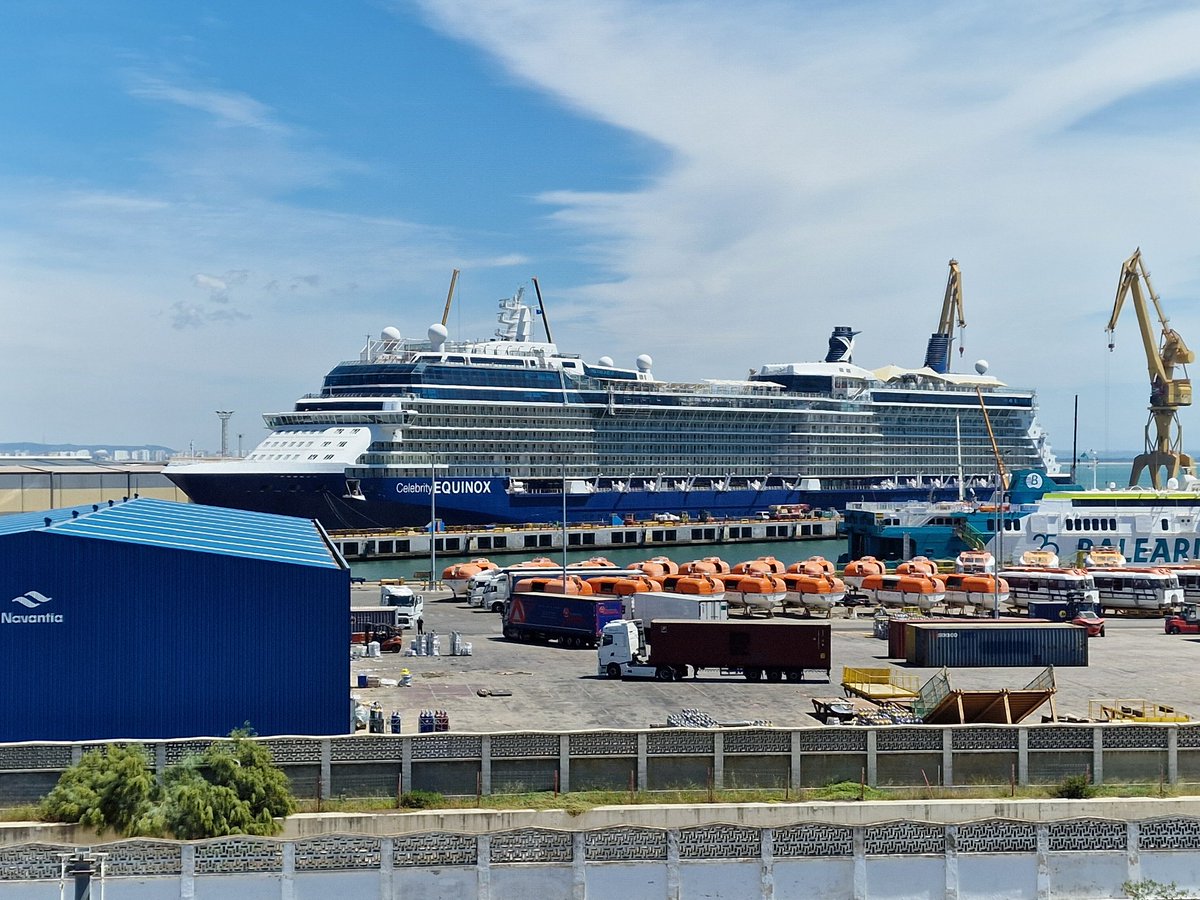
<point x="622" y="651"/>
<point x="411" y="606"/>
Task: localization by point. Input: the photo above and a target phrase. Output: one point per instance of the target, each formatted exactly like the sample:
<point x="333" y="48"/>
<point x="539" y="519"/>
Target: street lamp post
<point x="433" y="529"/>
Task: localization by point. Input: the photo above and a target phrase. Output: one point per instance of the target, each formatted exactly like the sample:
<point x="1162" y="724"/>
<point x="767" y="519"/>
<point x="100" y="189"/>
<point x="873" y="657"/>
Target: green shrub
<point x="422" y="800"/>
<point x="1075" y="787"/>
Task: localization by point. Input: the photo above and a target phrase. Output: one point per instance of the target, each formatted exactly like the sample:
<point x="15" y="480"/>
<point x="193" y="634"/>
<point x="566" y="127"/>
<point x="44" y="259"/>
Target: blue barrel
<point x="362" y="681"/>
<point x="395" y="723"/>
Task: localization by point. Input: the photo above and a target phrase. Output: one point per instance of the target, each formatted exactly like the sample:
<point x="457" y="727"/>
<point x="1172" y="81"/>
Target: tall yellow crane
<point x="1164" y="453"/>
<point x="937" y="353"/>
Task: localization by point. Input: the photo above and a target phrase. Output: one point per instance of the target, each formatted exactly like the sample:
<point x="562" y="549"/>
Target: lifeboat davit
<point x="858" y="569"/>
<point x="764" y="565"/>
<point x="574" y="585"/>
<point x="922" y="591"/>
<point x="710" y="565"/>
<point x="624" y="585"/>
<point x="975" y="562"/>
<point x="814" y="565"/>
<point x="751" y="592"/>
<point x="456" y="577"/>
<point x="918" y="565"/>
<point x="813" y="591"/>
<point x="976" y="589"/>
<point x="657" y="567"/>
<point x="708" y="586"/>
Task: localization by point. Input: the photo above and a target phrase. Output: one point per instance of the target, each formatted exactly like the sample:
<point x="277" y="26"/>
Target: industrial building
<point x="154" y="619"/>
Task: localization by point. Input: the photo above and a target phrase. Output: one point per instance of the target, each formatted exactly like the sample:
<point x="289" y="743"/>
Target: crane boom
<point x="937" y="354"/>
<point x="1164" y="452"/>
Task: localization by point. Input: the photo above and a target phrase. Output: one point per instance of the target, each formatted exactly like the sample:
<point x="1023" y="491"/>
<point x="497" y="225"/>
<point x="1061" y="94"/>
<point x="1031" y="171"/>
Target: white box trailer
<point x="650" y="605"/>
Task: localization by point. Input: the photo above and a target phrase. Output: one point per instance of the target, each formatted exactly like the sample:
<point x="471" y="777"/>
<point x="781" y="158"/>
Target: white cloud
<point x="225" y="108"/>
<point x="824" y="161"/>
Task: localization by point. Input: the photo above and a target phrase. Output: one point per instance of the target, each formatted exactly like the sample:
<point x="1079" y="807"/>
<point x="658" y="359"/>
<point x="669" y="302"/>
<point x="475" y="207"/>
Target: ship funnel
<point x="841" y="344"/>
<point x="937" y="354"/>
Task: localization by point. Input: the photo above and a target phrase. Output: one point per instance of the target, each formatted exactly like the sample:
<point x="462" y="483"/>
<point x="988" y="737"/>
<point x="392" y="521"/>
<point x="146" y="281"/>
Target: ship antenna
<point x="450" y="296"/>
<point x="542" y="308"/>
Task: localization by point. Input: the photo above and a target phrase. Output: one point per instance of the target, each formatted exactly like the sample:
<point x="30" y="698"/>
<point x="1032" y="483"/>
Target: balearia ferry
<point x="1148" y="527"/>
<point x="511" y="430"/>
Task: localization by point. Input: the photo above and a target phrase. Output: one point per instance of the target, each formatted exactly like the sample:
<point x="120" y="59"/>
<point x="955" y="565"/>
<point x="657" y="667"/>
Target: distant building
<point x="51" y="482"/>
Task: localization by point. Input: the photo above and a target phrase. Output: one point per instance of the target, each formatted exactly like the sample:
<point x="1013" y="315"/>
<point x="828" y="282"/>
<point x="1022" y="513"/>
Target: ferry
<point x="511" y="430"/>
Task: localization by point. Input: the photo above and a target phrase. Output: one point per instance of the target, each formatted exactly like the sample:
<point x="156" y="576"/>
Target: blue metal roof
<point x="188" y="526"/>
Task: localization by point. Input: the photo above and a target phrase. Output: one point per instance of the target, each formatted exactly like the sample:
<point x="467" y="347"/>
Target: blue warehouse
<point x="152" y="619"/>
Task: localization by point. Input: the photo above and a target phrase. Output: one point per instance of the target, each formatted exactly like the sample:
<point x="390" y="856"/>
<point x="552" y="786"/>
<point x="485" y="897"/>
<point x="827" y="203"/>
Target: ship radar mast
<point x="1164" y="452"/>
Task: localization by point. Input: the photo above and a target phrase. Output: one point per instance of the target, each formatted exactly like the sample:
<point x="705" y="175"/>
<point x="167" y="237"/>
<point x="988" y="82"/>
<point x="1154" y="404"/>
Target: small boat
<point x="596" y="562"/>
<point x="813" y="591"/>
<point x="751" y="592"/>
<point x="695" y="585"/>
<point x="977" y="589"/>
<point x="623" y="585"/>
<point x="574" y="585"/>
<point x="538" y="562"/>
<point x="1039" y="559"/>
<point x="457" y="576"/>
<point x="1104" y="557"/>
<point x="814" y="565"/>
<point x="918" y="565"/>
<point x="975" y="562"/>
<point x="710" y="565"/>
<point x="764" y="565"/>
<point x="923" y="591"/>
<point x="657" y="567"/>
<point x="858" y="569"/>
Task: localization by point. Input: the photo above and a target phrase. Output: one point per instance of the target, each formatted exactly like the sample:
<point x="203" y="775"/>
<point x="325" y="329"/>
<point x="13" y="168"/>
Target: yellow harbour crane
<point x="1164" y="452"/>
<point x="937" y="354"/>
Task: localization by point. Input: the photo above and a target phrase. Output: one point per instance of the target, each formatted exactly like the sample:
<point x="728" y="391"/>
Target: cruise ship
<point x="511" y="430"/>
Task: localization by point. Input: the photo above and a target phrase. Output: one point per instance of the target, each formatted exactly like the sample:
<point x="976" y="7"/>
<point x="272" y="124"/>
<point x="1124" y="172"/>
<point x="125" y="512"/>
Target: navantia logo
<point x="31" y="600"/>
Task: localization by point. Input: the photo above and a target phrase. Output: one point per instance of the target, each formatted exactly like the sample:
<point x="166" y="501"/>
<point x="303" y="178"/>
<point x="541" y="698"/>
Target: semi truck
<point x="1077" y="611"/>
<point x="650" y="605"/>
<point x="570" y="619"/>
<point x="490" y="590"/>
<point x="410" y="606"/>
<point x="670" y="649"/>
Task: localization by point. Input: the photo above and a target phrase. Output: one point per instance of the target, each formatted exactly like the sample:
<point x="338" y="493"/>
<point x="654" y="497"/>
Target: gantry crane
<point x="937" y="354"/>
<point x="1163" y="453"/>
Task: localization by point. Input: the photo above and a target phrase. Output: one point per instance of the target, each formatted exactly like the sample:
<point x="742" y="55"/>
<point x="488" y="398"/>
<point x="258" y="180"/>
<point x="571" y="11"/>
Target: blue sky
<point x="204" y="206"/>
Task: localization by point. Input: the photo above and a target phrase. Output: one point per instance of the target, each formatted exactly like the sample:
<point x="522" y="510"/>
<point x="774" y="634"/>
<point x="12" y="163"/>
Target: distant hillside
<point x="29" y="448"/>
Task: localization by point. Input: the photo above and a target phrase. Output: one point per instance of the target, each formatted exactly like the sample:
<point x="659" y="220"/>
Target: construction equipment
<point x="937" y="353"/>
<point x="1164" y="452"/>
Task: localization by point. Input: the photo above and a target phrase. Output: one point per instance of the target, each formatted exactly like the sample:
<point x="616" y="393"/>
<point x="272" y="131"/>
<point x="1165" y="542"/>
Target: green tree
<point x="111" y="787"/>
<point x="233" y="787"/>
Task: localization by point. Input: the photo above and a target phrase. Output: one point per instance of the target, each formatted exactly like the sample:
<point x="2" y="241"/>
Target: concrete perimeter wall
<point x="952" y="849"/>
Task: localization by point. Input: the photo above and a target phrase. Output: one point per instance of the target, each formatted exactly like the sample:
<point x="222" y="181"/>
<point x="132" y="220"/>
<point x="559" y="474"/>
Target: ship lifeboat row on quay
<point x="623" y="585"/>
<point x="456" y="576"/>
<point x="764" y="565"/>
<point x="920" y="590"/>
<point x="974" y="589"/>
<point x="975" y="562"/>
<point x="859" y="569"/>
<point x="814" y="565"/>
<point x="751" y="592"/>
<point x="710" y="565"/>
<point x="813" y="591"/>
<point x="574" y="585"/>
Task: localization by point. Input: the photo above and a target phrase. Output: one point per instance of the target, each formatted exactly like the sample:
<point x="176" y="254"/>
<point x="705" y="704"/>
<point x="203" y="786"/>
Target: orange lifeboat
<point x="764" y="565"/>
<point x="814" y="565"/>
<point x="695" y="585"/>
<point x="538" y="562"/>
<point x="657" y="567"/>
<point x="920" y="590"/>
<point x="623" y="585"/>
<point x="596" y="562"/>
<point x="918" y="565"/>
<point x="574" y="585"/>
<point x="858" y="569"/>
<point x="710" y="565"/>
<point x="813" y="591"/>
<point x="456" y="577"/>
<point x="977" y="589"/>
<point x="751" y="592"/>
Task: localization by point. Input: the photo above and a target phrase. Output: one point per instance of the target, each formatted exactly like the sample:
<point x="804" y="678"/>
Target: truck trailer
<point x="364" y="618"/>
<point x="570" y="619"/>
<point x="650" y="605"/>
<point x="491" y="589"/>
<point x="771" y="649"/>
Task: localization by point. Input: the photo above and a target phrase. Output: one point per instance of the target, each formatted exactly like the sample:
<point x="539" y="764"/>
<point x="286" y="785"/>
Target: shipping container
<point x="899" y="634"/>
<point x="1024" y="644"/>
<point x="650" y="605"/>
<point x="361" y="616"/>
<point x="774" y="648"/>
<point x="153" y="619"/>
